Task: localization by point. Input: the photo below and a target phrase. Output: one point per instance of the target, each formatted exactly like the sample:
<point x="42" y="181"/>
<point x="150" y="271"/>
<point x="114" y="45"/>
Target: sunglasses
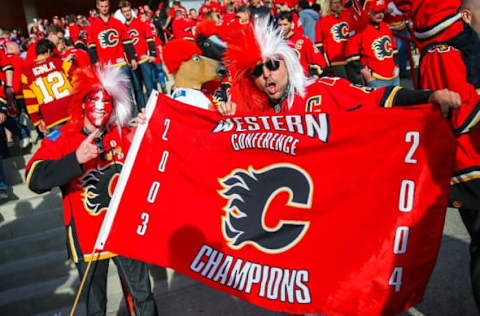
<point x="271" y="64"/>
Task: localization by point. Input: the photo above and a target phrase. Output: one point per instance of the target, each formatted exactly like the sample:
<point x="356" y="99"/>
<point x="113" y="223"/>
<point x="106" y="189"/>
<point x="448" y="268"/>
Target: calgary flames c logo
<point x="340" y="32"/>
<point x="383" y="47"/>
<point x="250" y="193"/>
<point x="108" y="38"/>
<point x="134" y="36"/>
<point x="99" y="185"/>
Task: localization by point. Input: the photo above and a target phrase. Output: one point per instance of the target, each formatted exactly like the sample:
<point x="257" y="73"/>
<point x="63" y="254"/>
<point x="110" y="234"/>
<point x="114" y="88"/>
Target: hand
<point x="141" y="117"/>
<point x="42" y="127"/>
<point x="366" y="74"/>
<point x="3" y="117"/>
<point x="446" y="99"/>
<point x="227" y="108"/>
<point x="134" y="64"/>
<point x="87" y="151"/>
<point x="151" y="59"/>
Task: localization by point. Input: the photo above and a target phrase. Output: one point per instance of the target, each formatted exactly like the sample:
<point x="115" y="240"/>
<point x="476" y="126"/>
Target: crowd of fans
<point x="329" y="37"/>
<point x="361" y="41"/>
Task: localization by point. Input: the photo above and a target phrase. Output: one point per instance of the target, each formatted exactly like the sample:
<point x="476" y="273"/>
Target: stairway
<point x="36" y="277"/>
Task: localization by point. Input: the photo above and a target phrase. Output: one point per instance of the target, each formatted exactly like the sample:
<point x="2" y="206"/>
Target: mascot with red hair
<point x="84" y="158"/>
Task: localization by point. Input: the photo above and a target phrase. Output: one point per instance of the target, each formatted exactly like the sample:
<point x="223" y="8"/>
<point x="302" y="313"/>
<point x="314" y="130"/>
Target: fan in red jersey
<point x="372" y="52"/>
<point x="85" y="158"/>
<point x="270" y="79"/>
<point x="47" y="89"/>
<point x="144" y="44"/>
<point x="108" y="39"/>
<point x="313" y="62"/>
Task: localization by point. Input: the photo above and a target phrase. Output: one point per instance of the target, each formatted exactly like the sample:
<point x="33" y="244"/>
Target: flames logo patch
<point x="382" y="47"/>
<point x="340" y="32"/>
<point x="98" y="187"/>
<point x="134" y="36"/>
<point x="108" y="38"/>
<point x="249" y="194"/>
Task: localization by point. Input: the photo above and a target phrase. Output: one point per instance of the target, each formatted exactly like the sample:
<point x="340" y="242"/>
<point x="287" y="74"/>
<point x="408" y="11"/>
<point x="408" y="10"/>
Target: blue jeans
<point x="158" y="75"/>
<point x="377" y="83"/>
<point x="402" y="51"/>
<point x="126" y="70"/>
<point x="142" y="76"/>
<point x="3" y="185"/>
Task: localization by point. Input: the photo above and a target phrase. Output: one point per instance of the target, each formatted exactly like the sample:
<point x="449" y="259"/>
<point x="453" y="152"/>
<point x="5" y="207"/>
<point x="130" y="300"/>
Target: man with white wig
<point x="270" y="79"/>
<point x="84" y="158"/>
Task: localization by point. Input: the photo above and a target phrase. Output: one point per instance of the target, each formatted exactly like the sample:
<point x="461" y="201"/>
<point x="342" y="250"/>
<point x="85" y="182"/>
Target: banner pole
<point x="125" y="174"/>
<point x="82" y="284"/>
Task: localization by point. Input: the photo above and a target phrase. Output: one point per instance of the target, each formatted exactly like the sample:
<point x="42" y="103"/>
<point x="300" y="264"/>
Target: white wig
<point x="272" y="44"/>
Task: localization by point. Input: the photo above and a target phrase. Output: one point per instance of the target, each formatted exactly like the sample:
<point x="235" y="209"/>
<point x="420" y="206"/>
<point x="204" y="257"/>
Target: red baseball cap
<point x="378" y="5"/>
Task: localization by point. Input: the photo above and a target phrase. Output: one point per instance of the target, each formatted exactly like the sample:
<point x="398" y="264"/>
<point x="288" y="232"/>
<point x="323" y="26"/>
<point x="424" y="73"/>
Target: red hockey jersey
<point x="332" y="34"/>
<point x="140" y="34"/>
<point x="375" y="48"/>
<point x="433" y="21"/>
<point x="81" y="59"/>
<point x="47" y="90"/>
<point x="331" y="94"/>
<point x="309" y="56"/>
<point x="86" y="188"/>
<point x="108" y="39"/>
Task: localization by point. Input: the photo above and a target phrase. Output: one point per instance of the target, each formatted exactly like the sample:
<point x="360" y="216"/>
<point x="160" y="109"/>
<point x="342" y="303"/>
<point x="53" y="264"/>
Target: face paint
<point x="98" y="107"/>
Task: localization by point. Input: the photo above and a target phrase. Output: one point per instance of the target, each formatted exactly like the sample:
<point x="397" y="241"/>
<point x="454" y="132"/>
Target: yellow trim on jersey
<point x="353" y="58"/>
<point x="465" y="177"/>
<point x="478" y="91"/>
<point x="379" y="77"/>
<point x="389" y="102"/>
<point x="72" y="245"/>
<point x="438" y="28"/>
<point x="58" y="122"/>
<point x="473" y="123"/>
<point x="339" y="63"/>
<point x="29" y="175"/>
<point x="24" y="79"/>
<point x="126" y="42"/>
<point x="92" y="45"/>
<point x="98" y="256"/>
<point x="66" y="65"/>
<point x="33" y="108"/>
<point x="143" y="60"/>
<point x="123" y="63"/>
<point x="27" y="93"/>
<point x="2" y="100"/>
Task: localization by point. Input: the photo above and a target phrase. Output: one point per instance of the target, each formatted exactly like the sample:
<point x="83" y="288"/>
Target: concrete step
<point x="19" y="207"/>
<point x="53" y="295"/>
<point x="32" y="245"/>
<point x="20" y="273"/>
<point x="14" y="166"/>
<point x="35" y="223"/>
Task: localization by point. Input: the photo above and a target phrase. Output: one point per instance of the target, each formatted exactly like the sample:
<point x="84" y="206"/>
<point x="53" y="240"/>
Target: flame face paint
<point x="98" y="107"/>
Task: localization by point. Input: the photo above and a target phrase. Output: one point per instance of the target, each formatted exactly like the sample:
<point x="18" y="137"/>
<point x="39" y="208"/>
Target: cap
<point x="378" y="5"/>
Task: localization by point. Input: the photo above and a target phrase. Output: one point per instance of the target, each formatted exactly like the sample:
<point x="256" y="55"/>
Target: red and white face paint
<point x="98" y="107"/>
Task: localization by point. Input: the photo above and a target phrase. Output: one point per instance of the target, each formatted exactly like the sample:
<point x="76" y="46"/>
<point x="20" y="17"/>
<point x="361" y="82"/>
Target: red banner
<point x="340" y="214"/>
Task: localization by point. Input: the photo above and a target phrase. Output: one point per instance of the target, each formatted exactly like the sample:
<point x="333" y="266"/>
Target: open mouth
<point x="272" y="87"/>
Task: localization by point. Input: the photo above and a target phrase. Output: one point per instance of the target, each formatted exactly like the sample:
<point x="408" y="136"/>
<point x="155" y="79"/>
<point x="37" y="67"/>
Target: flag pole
<point x="125" y="174"/>
<point x="82" y="284"/>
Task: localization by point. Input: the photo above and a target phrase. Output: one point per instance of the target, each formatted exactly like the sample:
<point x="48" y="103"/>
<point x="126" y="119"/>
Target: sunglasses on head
<point x="271" y="64"/>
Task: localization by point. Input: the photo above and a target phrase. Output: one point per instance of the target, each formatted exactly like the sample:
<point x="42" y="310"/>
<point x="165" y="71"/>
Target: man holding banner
<point x="84" y="158"/>
<point x="256" y="205"/>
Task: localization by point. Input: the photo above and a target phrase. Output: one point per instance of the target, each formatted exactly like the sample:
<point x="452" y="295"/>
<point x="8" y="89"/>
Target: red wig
<point x="84" y="81"/>
<point x="242" y="55"/>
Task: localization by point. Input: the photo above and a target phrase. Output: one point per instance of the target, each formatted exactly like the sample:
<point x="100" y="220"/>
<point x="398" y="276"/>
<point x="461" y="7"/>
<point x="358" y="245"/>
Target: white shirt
<point x="192" y="97"/>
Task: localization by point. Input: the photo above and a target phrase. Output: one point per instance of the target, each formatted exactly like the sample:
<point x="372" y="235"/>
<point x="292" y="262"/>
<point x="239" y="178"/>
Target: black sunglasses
<point x="271" y="64"/>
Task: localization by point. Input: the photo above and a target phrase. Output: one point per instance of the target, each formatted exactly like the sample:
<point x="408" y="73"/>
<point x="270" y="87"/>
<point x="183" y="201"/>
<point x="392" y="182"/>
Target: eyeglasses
<point x="271" y="64"/>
